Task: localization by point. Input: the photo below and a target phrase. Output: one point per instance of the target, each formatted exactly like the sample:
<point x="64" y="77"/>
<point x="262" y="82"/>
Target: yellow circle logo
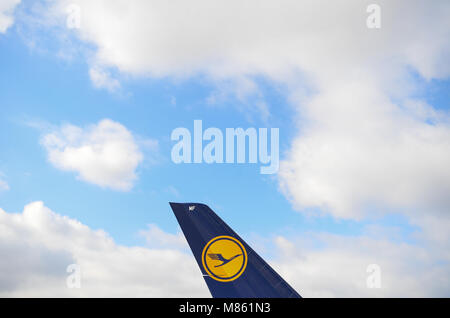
<point x="224" y="258"/>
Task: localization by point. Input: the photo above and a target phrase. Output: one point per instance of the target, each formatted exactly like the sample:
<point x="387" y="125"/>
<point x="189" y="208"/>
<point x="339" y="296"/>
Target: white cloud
<point x="338" y="268"/>
<point x="155" y="237"/>
<point x="37" y="245"/>
<point x="247" y="94"/>
<point x="105" y="154"/>
<point x="102" y="79"/>
<point x="6" y="14"/>
<point x="358" y="150"/>
<point x="157" y="38"/>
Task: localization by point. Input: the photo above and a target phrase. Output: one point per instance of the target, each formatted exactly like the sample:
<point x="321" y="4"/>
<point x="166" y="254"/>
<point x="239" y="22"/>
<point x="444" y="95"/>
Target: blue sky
<point x="364" y="133"/>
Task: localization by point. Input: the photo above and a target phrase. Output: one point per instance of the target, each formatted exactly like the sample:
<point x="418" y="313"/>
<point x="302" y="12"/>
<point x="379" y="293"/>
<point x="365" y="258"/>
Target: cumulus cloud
<point x="37" y="245"/>
<point x="358" y="151"/>
<point x="338" y="266"/>
<point x="6" y="14"/>
<point x="154" y="236"/>
<point x="106" y="154"/>
<point x="261" y="37"/>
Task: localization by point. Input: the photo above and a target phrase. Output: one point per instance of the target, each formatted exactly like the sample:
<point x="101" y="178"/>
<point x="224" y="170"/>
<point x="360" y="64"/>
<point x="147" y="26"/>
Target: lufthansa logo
<point x="224" y="258"/>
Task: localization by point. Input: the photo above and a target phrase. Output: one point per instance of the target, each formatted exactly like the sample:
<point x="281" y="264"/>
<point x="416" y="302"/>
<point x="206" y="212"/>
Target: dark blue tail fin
<point x="230" y="267"/>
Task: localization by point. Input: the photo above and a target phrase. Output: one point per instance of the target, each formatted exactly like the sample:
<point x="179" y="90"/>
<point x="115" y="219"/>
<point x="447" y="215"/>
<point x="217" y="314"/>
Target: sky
<point x="90" y="93"/>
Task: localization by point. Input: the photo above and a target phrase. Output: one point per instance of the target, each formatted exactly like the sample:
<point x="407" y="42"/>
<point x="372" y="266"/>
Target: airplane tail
<point x="230" y="267"/>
